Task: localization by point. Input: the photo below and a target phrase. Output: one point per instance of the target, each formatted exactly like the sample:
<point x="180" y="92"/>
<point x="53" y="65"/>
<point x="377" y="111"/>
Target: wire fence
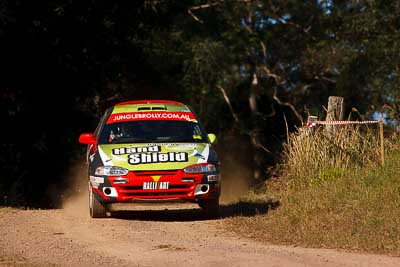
<point x="312" y="122"/>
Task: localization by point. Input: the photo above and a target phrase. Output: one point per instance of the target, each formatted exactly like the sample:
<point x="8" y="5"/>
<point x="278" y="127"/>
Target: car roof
<point x="150" y="105"/>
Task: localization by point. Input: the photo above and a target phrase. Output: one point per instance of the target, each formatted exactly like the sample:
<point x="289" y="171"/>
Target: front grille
<point x="175" y="190"/>
<point x="153" y="194"/>
<point x="176" y="187"/>
<point x="151" y="173"/>
<point x="171" y="186"/>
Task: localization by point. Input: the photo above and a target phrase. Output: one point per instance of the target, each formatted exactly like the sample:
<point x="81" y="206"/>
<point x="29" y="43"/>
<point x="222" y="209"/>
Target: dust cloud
<point x="236" y="157"/>
<point x="235" y="182"/>
<point x="75" y="198"/>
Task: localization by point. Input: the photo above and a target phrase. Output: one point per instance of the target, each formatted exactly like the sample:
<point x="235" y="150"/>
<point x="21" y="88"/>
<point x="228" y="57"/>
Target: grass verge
<point x="342" y="201"/>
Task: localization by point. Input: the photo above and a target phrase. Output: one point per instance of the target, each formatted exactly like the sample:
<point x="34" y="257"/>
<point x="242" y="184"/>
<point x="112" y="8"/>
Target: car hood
<point x="155" y="156"/>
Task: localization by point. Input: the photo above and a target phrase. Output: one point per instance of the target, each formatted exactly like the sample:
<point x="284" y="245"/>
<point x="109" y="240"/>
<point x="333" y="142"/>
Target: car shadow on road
<point x="241" y="208"/>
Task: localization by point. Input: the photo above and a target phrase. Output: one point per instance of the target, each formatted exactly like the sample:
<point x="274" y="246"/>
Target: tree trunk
<point x="335" y="112"/>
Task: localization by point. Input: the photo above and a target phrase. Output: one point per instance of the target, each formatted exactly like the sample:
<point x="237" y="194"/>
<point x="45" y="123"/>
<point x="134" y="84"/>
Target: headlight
<point x="204" y="168"/>
<point x="111" y="171"/>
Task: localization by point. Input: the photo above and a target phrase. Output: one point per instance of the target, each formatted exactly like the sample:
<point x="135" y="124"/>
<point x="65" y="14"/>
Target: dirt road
<point x="164" y="237"/>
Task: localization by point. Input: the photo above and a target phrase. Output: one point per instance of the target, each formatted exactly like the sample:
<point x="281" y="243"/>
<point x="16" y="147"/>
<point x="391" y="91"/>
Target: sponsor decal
<point x="150" y="154"/>
<point x="155" y="185"/>
<point x="140" y="116"/>
<point x="134" y="150"/>
<point x="96" y="181"/>
<point x="197" y="154"/>
<point x="104" y="158"/>
<point x="176" y="146"/>
<point x="156" y="178"/>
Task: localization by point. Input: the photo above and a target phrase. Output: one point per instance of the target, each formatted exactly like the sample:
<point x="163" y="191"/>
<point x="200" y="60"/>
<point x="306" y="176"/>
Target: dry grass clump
<point x="334" y="194"/>
<point x="311" y="155"/>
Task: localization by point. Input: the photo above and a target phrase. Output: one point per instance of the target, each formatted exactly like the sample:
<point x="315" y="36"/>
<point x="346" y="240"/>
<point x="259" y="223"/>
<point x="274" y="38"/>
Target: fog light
<point x="107" y="191"/>
<point x="110" y="191"/>
<point x="201" y="189"/>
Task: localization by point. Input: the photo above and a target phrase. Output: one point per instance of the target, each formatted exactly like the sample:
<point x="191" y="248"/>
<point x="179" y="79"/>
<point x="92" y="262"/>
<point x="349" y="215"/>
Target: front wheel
<point x="96" y="209"/>
<point x="210" y="207"/>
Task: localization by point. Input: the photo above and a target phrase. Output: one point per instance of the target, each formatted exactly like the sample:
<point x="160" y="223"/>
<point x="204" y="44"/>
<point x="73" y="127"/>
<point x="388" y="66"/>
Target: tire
<point x="210" y="208"/>
<point x="96" y="209"/>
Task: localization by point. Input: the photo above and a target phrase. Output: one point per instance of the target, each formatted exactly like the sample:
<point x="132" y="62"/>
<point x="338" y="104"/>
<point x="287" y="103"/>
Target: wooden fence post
<point x="335" y="112"/>
<point x="382" y="141"/>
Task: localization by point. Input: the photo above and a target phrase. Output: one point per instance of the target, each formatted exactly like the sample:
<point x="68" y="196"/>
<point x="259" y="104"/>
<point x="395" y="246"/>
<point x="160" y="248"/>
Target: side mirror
<point x="87" y="139"/>
<point x="212" y="137"/>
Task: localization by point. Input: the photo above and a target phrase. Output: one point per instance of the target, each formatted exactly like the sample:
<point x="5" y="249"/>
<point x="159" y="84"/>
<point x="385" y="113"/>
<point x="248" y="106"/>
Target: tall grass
<point x="311" y="155"/>
<point x="334" y="193"/>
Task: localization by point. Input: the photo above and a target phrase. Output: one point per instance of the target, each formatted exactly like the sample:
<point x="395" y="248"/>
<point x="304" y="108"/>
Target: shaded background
<point x="248" y="67"/>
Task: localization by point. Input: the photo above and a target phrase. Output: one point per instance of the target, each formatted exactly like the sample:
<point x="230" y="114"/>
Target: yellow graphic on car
<point x="156" y="177"/>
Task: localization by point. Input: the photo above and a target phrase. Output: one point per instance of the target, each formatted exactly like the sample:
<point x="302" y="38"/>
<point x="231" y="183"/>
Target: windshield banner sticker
<point x="145" y="116"/>
<point x="151" y="154"/>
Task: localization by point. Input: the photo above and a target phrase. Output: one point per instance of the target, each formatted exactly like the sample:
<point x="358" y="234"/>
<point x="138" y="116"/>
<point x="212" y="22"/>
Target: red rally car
<point x="149" y="150"/>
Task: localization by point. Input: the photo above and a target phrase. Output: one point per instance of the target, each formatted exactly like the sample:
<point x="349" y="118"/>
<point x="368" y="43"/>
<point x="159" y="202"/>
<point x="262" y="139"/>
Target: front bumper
<point x="152" y="185"/>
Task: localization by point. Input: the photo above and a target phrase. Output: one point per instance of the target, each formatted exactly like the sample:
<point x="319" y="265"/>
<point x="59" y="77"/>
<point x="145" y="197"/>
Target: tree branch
<point x="228" y="102"/>
<point x="190" y="9"/>
<point x="256" y="143"/>
<point x="276" y="77"/>
<point x="275" y="97"/>
<point x="204" y="6"/>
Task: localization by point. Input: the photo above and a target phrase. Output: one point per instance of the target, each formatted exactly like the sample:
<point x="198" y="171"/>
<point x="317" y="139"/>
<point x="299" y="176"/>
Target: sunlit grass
<point x="334" y="193"/>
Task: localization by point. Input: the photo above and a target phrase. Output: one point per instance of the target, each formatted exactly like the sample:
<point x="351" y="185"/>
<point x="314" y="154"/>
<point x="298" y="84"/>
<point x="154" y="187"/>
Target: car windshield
<point x="152" y="131"/>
